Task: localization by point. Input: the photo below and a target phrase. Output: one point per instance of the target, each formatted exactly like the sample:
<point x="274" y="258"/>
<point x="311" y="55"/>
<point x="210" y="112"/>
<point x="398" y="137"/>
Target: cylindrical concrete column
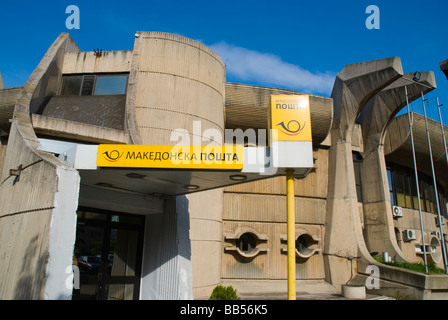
<point x="180" y="85"/>
<point x="179" y="81"/>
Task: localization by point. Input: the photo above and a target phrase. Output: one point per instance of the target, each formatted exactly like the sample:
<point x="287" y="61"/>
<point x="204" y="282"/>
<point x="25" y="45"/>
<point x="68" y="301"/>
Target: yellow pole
<point x="291" y="234"/>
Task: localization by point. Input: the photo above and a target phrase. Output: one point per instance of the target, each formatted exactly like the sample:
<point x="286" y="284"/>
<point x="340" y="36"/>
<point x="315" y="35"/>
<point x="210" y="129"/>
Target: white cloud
<point x="269" y="69"/>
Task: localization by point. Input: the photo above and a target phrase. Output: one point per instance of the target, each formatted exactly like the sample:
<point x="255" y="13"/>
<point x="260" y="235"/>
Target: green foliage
<point x="224" y="293"/>
<point x="418" y="267"/>
<point x="400" y="296"/>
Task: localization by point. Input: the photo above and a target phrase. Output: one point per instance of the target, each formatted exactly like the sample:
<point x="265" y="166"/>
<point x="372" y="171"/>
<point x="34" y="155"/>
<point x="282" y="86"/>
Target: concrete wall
<point x="260" y="208"/>
<point x="175" y="81"/>
<point x="166" y="272"/>
<point x="38" y="212"/>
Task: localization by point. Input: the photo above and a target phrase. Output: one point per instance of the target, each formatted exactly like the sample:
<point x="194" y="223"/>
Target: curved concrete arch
<point x="378" y="219"/>
<point x="46" y="216"/>
<point x="354" y="86"/>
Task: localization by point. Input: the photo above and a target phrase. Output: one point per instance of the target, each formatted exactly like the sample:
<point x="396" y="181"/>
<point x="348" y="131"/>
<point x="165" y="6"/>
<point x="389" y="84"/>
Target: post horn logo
<point x="292" y="128"/>
<point x="112" y="156"/>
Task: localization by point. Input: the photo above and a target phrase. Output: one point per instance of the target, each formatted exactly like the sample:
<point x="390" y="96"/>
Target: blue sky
<point x="299" y="45"/>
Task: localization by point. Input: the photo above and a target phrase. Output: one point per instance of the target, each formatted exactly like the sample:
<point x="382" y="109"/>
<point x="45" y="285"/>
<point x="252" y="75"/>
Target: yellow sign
<point x="290" y="118"/>
<point x="174" y="157"/>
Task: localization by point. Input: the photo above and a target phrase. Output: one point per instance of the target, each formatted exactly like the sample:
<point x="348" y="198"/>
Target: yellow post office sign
<point x="289" y="118"/>
<point x="170" y="157"/>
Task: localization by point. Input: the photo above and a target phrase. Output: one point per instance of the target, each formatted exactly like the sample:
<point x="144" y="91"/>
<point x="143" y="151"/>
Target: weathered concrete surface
<point x="378" y="112"/>
<point x="344" y="242"/>
<point x="31" y="215"/>
<point x="444" y="67"/>
<point x="2" y="84"/>
<point x="175" y="82"/>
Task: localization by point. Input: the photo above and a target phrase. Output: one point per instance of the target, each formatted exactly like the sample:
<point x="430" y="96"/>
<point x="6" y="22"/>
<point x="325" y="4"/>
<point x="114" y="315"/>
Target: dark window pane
<point x="246" y="243"/>
<point x="122" y="255"/>
<point x="106" y="85"/>
<point x="399" y="188"/>
<point x="87" y="85"/>
<point x="71" y="85"/>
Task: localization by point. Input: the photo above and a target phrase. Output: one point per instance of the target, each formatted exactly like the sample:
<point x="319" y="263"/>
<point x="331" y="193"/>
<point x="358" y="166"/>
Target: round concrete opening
<point x="304" y="245"/>
<point x="434" y="254"/>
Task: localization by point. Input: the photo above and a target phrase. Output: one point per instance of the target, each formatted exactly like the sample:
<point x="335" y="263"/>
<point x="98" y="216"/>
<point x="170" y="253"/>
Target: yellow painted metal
<point x="291" y="234"/>
<point x="170" y="157"/>
<point x="289" y="118"/>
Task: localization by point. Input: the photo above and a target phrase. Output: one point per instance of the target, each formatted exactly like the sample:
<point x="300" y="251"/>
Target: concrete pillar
<point x="166" y="272"/>
<point x="177" y="85"/>
<point x="378" y="220"/>
<point x="2" y="85"/>
<point x="344" y="242"/>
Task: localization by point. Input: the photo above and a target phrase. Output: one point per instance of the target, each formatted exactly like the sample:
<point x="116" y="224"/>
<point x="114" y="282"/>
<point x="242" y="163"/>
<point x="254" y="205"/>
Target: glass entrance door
<point x="108" y="253"/>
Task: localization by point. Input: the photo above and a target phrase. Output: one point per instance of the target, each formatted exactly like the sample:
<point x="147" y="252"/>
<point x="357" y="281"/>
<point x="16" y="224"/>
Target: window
<point x="391" y="189"/>
<point x="93" y="84"/>
<point x="108" y="253"/>
<point x="357" y="164"/>
<point x="246" y="243"/>
<point x="110" y="85"/>
<point x="71" y="86"/>
<point x="304" y="245"/>
<point x="403" y="190"/>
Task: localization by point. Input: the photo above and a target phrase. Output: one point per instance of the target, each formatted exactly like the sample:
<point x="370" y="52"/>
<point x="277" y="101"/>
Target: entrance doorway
<point x="108" y="253"/>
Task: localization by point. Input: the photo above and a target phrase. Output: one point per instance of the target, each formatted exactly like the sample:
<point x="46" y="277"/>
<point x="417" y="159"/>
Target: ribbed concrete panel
<point x="247" y="107"/>
<point x="179" y="81"/>
<point x="256" y="207"/>
<point x="398" y="145"/>
<point x="272" y="262"/>
<point x="174" y="82"/>
<point x="28" y="212"/>
<point x="8" y="98"/>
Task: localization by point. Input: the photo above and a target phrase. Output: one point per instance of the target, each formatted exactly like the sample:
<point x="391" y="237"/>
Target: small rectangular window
<point x="106" y="85"/>
<point x="92" y="84"/>
<point x="71" y="85"/>
<point x="87" y="85"/>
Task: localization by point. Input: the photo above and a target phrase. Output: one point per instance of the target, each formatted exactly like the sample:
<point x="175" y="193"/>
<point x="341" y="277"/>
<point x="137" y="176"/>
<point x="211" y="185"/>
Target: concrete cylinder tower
<point x="177" y="84"/>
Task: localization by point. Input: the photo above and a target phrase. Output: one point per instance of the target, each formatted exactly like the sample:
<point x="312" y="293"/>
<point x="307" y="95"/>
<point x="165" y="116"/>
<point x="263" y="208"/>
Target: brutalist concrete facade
<point x="232" y="234"/>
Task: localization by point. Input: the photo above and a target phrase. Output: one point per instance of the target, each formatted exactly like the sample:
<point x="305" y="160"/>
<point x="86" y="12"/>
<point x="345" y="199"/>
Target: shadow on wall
<point x="166" y="271"/>
<point x="32" y="274"/>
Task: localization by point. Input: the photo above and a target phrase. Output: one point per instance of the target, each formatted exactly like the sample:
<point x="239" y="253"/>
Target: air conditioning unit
<point x="397" y="211"/>
<point x="437" y="221"/>
<point x="409" y="235"/>
<point x="437" y="234"/>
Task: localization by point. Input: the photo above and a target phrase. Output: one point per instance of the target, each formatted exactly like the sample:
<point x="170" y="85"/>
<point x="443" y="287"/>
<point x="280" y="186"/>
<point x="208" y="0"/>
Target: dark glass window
<point x="110" y="85"/>
<point x="246" y="243"/>
<point x="92" y="84"/>
<point x="357" y="164"/>
<point x="391" y="189"/>
<point x="108" y="255"/>
<point x="403" y="190"/>
<point x="71" y="85"/>
<point x="87" y="85"/>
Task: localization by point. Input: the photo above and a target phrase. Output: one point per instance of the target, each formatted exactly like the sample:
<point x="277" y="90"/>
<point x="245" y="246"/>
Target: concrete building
<point x="145" y="233"/>
<point x="444" y="67"/>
